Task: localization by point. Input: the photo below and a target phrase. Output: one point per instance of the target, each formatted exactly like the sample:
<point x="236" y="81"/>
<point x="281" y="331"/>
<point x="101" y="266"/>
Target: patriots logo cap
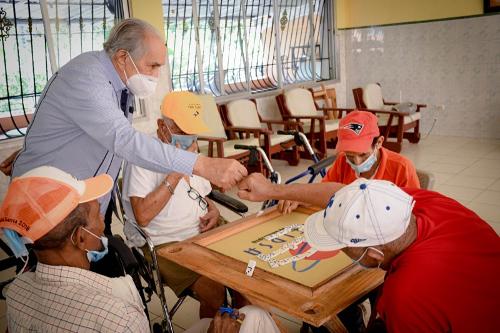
<point x="357" y="131"/>
<point x="355" y="127"/>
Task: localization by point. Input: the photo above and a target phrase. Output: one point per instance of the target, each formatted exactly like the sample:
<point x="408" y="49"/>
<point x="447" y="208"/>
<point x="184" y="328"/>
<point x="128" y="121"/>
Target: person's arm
<point x="225" y="324"/>
<point x="95" y="110"/>
<point x="148" y="207"/>
<point x="257" y="188"/>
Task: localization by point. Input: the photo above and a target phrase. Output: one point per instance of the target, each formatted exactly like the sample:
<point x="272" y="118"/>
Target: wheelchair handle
<point x="262" y="153"/>
<point x="321" y="165"/>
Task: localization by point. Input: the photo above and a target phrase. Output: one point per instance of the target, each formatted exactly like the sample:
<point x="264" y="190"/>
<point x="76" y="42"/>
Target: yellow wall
<point x="361" y="13"/>
<point x="148" y="10"/>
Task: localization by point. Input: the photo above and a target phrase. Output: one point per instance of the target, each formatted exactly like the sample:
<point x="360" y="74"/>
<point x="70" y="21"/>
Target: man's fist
<point x="255" y="188"/>
<point x="222" y="172"/>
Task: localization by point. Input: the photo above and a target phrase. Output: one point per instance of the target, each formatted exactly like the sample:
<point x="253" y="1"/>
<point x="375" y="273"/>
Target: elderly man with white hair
<point x="82" y="123"/>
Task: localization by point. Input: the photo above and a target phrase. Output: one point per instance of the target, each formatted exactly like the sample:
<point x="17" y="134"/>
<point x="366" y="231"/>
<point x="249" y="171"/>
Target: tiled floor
<point x="465" y="169"/>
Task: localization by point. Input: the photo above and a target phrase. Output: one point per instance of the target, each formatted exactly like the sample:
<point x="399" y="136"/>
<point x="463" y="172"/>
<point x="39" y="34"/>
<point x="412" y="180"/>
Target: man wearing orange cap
<point x="60" y="215"/>
<point x="361" y="155"/>
<point x="170" y="208"/>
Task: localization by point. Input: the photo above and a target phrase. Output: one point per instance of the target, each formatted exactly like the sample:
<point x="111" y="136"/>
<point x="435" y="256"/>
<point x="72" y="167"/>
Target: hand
<point x="222" y="172"/>
<point x="225" y="324"/>
<point x="162" y="131"/>
<point x="255" y="188"/>
<point x="193" y="148"/>
<point x="210" y="219"/>
<point x="6" y="165"/>
<point x="287" y="206"/>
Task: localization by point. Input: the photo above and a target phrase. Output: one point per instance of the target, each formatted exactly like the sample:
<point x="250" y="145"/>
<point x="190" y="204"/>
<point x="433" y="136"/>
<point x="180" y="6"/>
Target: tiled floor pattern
<point x="465" y="169"/>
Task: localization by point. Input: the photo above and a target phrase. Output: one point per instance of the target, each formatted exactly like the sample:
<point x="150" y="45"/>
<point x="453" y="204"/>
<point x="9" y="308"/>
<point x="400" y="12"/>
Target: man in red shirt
<point x="361" y="155"/>
<point x="442" y="260"/>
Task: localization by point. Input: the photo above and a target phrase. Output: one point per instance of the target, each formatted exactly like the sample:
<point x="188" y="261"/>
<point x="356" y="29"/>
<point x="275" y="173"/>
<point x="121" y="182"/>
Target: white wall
<point x="454" y="63"/>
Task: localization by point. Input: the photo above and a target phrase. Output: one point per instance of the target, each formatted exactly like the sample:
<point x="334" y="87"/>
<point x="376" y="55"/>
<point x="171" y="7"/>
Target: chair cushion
<point x="372" y="96"/>
<point x="300" y="102"/>
<point x="330" y="125"/>
<point x="384" y="118"/>
<point x="229" y="149"/>
<point x="276" y="139"/>
<point x="243" y="113"/>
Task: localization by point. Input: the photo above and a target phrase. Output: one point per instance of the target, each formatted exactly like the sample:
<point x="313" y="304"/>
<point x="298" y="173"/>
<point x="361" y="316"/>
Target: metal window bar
<point x="26" y="48"/>
<point x="258" y="46"/>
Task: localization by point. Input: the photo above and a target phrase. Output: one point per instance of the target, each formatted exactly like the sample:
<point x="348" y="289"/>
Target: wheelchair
<point x="147" y="272"/>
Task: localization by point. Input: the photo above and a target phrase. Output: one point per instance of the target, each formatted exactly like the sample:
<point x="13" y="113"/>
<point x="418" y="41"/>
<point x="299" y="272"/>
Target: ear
<point x="79" y="239"/>
<point x="378" y="256"/>
<point x="380" y="141"/>
<point x="120" y="57"/>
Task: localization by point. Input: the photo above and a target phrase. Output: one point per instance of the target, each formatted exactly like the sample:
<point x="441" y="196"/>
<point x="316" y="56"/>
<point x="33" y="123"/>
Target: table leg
<point x="334" y="325"/>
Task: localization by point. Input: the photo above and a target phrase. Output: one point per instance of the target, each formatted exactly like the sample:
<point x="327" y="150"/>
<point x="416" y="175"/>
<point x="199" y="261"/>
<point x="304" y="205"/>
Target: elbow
<point x="142" y="220"/>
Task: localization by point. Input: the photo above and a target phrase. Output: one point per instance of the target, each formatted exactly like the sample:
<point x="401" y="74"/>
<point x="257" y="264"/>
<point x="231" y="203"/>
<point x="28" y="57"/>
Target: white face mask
<point x="141" y="85"/>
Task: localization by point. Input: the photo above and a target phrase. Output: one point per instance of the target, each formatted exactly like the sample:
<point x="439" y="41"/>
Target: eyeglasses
<point x="193" y="194"/>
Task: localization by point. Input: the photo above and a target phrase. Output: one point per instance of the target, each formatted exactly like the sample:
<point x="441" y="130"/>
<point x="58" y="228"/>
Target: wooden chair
<point x="426" y="179"/>
<point x="215" y="142"/>
<point x="241" y="115"/>
<point x="298" y="104"/>
<point x="392" y="123"/>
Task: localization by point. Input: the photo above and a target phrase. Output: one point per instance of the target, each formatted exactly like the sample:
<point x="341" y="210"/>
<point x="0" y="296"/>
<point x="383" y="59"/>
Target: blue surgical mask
<point x="94" y="255"/>
<point x="358" y="261"/>
<point x="14" y="242"/>
<point x="185" y="141"/>
<point x="365" y="166"/>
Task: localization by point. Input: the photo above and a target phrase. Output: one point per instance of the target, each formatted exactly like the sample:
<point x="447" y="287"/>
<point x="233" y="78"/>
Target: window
<point x="225" y="47"/>
<point x="26" y="49"/>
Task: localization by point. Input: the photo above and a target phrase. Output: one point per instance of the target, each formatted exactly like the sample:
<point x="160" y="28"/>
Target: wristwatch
<point x="168" y="185"/>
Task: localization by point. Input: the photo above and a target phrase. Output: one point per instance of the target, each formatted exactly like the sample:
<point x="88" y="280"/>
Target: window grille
<point x="249" y="46"/>
<point x="77" y="26"/>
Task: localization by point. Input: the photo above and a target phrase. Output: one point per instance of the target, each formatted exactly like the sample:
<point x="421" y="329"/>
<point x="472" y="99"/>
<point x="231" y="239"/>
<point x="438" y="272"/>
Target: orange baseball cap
<point x="40" y="199"/>
<point x="186" y="109"/>
<point x="357" y="131"/>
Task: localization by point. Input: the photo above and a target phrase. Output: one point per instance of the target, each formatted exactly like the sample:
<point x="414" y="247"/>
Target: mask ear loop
<point x="169" y="131"/>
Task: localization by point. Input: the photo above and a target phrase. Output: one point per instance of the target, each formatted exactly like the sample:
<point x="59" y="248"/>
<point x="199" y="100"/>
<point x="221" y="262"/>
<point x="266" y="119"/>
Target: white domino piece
<point x="250" y="267"/>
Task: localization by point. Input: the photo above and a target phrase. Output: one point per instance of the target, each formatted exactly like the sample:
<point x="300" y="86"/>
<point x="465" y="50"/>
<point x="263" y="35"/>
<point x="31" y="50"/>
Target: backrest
<point x="212" y="118"/>
<point x="358" y="98"/>
<point x="426" y="179"/>
<point x="268" y="109"/>
<point x="243" y="113"/>
<point x="300" y="102"/>
<point x="372" y="96"/>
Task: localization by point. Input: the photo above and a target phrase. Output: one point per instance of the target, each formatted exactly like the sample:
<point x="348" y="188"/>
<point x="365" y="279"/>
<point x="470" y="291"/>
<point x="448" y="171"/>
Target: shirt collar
<point x="111" y="72"/>
<point x="65" y="274"/>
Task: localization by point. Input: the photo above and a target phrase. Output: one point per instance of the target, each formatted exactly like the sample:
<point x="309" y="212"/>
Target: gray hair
<point x="129" y="35"/>
<point x="60" y="234"/>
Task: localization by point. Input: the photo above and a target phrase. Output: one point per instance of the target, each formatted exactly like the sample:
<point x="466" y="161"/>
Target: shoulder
<point x="398" y="160"/>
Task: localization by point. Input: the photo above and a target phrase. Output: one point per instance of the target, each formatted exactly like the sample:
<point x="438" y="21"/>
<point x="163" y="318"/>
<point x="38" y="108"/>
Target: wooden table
<point x="318" y="305"/>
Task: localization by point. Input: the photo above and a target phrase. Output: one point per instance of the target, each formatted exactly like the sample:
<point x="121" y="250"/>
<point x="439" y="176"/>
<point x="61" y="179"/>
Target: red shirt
<point x="448" y="280"/>
<point x="392" y="167"/>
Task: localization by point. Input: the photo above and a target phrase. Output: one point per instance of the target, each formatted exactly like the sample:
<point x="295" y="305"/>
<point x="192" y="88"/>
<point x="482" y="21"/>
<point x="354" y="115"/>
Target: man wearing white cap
<point x="442" y="260"/>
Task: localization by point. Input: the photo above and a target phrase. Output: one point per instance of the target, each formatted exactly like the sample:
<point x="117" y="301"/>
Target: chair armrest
<point x="306" y="117"/>
<point x="336" y="109"/>
<point x="228" y="202"/>
<point x="247" y="129"/>
<point x="211" y="138"/>
<point x="390" y="103"/>
<point x="395" y="113"/>
<point x="281" y="122"/>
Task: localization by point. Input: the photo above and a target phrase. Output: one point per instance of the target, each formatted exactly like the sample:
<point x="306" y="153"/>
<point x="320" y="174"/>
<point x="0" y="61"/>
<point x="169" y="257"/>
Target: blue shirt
<point x="80" y="128"/>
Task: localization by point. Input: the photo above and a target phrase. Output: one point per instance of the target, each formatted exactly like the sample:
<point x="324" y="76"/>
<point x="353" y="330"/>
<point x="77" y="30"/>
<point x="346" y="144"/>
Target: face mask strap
<point x="133" y="63"/>
<point x="366" y="251"/>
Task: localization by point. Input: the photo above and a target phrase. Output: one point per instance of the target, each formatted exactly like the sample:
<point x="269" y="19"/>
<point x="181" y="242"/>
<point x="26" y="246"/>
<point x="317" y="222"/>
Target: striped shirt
<point x="79" y="127"/>
<point x="69" y="299"/>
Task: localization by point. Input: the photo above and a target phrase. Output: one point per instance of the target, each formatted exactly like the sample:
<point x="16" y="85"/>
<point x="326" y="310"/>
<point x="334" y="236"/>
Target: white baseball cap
<point x="363" y="213"/>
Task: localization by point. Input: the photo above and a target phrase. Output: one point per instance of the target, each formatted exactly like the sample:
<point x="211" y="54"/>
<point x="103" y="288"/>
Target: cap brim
<point x="193" y="127"/>
<point x="360" y="145"/>
<point x="316" y="235"/>
<point x="96" y="187"/>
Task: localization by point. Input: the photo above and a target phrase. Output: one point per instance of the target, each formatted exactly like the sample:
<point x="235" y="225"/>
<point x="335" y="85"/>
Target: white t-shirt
<point x="178" y="220"/>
